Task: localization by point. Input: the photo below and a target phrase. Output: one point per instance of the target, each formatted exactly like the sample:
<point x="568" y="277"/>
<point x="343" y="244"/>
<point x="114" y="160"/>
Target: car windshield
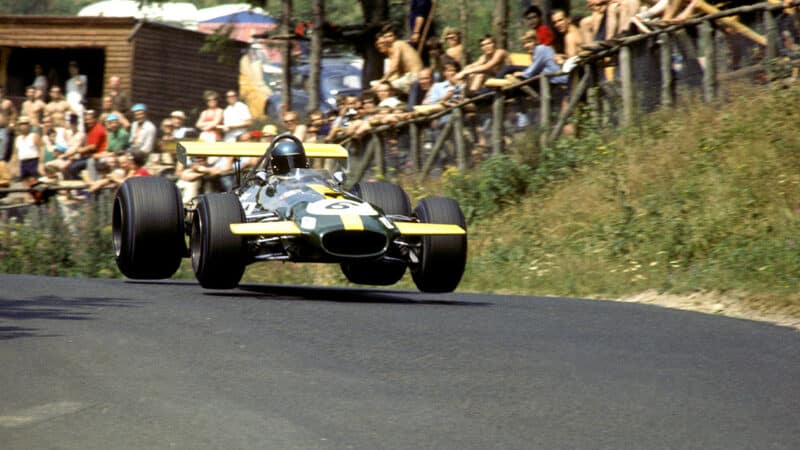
<point x="298" y="177"/>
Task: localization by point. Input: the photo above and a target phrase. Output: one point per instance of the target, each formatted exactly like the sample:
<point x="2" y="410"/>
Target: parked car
<point x="339" y="75"/>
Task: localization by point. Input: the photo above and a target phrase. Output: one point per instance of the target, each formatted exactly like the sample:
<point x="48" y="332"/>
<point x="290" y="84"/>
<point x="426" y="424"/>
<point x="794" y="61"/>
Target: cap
<point x="269" y="129"/>
<point x="23" y="119"/>
<point x="61" y="148"/>
<point x="178" y="114"/>
<point x="111" y="117"/>
<point x="139" y="107"/>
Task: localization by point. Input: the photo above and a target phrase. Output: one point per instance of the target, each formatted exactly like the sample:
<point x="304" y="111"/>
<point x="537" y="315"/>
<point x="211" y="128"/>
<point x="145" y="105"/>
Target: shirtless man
<point x="7" y="106"/>
<point x="455" y="48"/>
<point x="32" y="108"/>
<point x="58" y="108"/>
<point x="404" y="62"/>
<point x="568" y="37"/>
<point x="591" y="25"/>
<point x="486" y="66"/>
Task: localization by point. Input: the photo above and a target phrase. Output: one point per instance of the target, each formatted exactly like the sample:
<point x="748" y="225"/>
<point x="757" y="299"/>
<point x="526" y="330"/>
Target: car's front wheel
<point x="442" y="259"/>
<point x="391" y="199"/>
<point x="218" y="256"/>
<point x="147" y="228"/>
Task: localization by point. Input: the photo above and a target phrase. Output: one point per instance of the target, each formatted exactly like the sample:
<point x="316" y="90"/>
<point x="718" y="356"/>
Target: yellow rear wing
<point x="186" y="149"/>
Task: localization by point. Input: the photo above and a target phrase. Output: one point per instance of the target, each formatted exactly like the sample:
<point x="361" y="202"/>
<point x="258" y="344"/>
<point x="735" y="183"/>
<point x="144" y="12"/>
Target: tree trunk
<point x="463" y="19"/>
<point x="376" y="12"/>
<point x="500" y="23"/>
<point x="318" y="18"/>
<point x="286" y="29"/>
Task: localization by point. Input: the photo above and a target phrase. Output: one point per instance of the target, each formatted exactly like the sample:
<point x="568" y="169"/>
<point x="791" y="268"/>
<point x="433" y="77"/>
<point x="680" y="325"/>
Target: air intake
<point x="354" y="243"/>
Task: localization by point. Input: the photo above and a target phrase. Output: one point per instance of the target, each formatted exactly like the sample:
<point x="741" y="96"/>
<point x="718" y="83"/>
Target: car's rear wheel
<point x="218" y="256"/>
<point x="442" y="258"/>
<point x="391" y="199"/>
<point x="147" y="228"/>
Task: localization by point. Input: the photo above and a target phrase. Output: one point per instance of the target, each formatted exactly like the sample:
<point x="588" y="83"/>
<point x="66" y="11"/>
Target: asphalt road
<point x="112" y="364"/>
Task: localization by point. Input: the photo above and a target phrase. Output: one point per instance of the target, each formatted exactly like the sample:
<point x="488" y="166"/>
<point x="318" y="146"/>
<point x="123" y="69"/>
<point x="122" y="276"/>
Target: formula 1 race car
<point x="283" y="210"/>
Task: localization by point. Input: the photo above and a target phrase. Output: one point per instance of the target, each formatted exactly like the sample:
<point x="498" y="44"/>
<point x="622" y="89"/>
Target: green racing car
<point x="283" y="210"/>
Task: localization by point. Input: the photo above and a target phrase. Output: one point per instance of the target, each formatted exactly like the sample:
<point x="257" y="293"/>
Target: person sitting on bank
<point x="488" y="65"/>
<point x="404" y="61"/>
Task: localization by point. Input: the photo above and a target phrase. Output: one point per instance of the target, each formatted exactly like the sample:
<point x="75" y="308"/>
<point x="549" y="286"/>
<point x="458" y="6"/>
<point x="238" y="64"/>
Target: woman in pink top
<point x="210" y="119"/>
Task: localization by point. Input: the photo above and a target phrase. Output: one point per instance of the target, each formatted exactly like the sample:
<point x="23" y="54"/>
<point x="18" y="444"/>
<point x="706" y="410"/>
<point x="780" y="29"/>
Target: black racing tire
<point x="391" y="199"/>
<point x="218" y="256"/>
<point x="148" y="228"/>
<point x="443" y="258"/>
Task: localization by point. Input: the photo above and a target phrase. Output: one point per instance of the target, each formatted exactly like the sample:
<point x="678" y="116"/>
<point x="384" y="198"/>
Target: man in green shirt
<point x="118" y="137"/>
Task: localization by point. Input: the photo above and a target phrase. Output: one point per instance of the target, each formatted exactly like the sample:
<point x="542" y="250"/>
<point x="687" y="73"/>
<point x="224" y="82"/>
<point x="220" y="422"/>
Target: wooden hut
<point x="159" y="65"/>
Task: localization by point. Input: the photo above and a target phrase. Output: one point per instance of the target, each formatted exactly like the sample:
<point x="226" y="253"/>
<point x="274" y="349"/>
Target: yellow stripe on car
<point x="423" y="229"/>
<point x="325" y="190"/>
<point x="280" y="228"/>
<point x="352" y="222"/>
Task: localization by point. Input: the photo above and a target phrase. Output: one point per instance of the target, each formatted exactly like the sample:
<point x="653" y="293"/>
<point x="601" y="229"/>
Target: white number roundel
<point x="337" y="207"/>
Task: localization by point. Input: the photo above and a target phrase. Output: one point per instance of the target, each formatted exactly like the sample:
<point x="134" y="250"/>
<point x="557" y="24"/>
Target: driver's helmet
<point x="286" y="155"/>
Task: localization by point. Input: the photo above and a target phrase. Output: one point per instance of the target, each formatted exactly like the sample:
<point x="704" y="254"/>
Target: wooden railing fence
<point x="613" y="102"/>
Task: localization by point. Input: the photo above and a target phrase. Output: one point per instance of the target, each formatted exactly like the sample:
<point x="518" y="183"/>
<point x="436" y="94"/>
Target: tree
<point x="286" y="28"/>
<point x="318" y="19"/>
<point x="500" y="23"/>
<point x="376" y="13"/>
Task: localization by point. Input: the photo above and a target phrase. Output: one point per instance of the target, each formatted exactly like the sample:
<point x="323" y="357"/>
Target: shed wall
<point x="170" y="70"/>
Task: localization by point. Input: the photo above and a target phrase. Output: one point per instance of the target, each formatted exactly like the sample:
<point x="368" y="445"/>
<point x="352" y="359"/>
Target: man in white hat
<point x="268" y="132"/>
<point x="179" y="130"/>
<point x="236" y="117"/>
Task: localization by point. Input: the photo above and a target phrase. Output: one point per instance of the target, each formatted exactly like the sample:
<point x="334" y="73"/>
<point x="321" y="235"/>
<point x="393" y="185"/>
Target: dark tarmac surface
<point x="101" y="364"/>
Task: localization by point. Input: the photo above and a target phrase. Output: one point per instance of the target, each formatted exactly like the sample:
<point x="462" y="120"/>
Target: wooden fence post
<point x="413" y="145"/>
<point x="545" y="101"/>
<point x="665" y="50"/>
<point x="444" y="133"/>
<point x="771" y="30"/>
<point x="626" y="79"/>
<point x="498" y="133"/>
<point x="380" y="154"/>
<point x="709" y="51"/>
<point x="457" y="117"/>
<point x="593" y="95"/>
<point x="369" y="151"/>
<point x="574" y="97"/>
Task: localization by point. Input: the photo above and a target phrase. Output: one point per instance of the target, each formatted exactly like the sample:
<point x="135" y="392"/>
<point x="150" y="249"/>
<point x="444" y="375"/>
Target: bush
<point x="500" y="182"/>
<point x="48" y="240"/>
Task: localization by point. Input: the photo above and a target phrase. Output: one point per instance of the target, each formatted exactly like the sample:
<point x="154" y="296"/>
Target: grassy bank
<point x="705" y="198"/>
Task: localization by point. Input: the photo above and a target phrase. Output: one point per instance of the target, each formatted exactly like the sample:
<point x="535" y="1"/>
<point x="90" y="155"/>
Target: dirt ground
<point x="729" y="305"/>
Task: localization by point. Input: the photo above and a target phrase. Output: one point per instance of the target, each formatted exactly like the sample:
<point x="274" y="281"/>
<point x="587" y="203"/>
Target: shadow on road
<point x="346" y="295"/>
<point x="51" y="308"/>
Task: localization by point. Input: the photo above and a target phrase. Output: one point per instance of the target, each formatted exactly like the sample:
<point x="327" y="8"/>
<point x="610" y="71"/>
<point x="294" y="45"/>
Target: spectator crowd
<point x="51" y="135"/>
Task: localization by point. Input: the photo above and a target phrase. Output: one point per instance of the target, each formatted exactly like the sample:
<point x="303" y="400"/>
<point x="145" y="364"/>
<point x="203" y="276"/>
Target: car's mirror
<point x="262" y="176"/>
<point x="339" y="176"/>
